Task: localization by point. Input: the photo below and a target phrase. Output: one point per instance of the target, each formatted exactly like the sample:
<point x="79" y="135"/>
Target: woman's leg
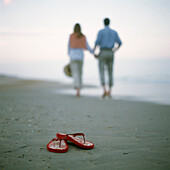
<point x="80" y="64"/>
<point x="76" y="67"/>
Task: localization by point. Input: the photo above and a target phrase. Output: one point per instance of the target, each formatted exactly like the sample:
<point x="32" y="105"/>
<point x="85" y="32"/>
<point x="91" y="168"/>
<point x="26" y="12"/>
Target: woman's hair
<point x="77" y="29"/>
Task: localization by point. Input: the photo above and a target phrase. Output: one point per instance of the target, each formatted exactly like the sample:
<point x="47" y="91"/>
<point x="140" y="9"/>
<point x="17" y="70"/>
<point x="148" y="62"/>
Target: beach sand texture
<point x="127" y="134"/>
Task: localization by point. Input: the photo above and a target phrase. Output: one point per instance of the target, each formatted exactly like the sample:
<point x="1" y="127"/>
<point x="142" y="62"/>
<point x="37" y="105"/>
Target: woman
<point x="77" y="44"/>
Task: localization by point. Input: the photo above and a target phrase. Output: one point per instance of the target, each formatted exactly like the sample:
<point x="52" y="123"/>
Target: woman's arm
<point x="89" y="48"/>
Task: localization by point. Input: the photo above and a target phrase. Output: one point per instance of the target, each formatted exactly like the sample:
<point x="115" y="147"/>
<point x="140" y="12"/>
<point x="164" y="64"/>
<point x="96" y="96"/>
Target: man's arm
<point x="115" y="49"/>
<point x="98" y="40"/>
<point x="96" y="56"/>
<point x="119" y="42"/>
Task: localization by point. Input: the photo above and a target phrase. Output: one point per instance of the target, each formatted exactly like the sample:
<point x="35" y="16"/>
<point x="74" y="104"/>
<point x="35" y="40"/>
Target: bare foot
<point x="108" y="94"/>
<point x="104" y="95"/>
<point x="78" y="93"/>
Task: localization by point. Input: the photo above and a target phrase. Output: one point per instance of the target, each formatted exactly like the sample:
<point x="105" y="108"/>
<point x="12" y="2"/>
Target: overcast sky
<point x="34" y="30"/>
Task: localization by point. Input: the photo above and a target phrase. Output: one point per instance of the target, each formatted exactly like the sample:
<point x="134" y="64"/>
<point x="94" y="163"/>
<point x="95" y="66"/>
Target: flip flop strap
<point x="56" y="139"/>
<point x="77" y="134"/>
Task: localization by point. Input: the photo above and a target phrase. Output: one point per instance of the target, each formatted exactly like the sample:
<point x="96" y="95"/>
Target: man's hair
<point x="106" y="21"/>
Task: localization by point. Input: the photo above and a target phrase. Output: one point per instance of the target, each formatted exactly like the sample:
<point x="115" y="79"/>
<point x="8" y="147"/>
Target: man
<point x="106" y="40"/>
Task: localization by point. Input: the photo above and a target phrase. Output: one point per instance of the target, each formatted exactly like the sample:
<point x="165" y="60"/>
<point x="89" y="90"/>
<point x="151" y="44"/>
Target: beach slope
<point x="126" y="134"/>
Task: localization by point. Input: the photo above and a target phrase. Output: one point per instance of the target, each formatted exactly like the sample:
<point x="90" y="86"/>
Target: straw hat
<point x="67" y="70"/>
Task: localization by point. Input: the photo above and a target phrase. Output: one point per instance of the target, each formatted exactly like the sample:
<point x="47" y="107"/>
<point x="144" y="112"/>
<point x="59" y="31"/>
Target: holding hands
<point x="96" y="56"/>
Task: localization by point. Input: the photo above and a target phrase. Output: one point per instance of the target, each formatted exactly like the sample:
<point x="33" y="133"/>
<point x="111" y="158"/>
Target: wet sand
<point x="127" y="134"/>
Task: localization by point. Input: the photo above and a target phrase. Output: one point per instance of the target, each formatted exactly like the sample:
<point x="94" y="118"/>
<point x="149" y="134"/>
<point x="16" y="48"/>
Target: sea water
<point x="146" y="79"/>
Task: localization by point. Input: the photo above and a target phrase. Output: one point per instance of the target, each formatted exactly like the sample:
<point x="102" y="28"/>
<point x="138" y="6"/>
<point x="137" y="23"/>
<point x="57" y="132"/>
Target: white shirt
<point x="78" y="53"/>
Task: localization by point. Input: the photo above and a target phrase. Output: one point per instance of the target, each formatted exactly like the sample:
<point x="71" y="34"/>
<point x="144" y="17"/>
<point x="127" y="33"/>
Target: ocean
<point x="143" y="79"/>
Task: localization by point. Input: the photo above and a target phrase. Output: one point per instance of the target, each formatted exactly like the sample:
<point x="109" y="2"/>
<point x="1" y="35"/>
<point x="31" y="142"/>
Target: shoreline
<point x="129" y="91"/>
<point x="126" y="134"/>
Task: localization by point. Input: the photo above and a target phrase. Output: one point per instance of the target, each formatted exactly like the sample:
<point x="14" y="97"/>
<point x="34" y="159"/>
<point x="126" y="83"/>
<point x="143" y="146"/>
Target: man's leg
<point x="102" y="76"/>
<point x="110" y="74"/>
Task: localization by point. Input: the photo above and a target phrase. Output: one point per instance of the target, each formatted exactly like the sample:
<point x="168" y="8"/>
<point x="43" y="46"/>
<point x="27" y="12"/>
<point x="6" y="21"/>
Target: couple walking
<point x="106" y="40"/>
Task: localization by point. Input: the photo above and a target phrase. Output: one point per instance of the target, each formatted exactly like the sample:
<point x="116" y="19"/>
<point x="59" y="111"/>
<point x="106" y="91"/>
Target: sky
<point x="38" y="30"/>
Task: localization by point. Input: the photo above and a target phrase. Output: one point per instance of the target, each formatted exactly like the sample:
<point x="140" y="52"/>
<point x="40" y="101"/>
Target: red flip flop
<point x="78" y="141"/>
<point x="57" y="145"/>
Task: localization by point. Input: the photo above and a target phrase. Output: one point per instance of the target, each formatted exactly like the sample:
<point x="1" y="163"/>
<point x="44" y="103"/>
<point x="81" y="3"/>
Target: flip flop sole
<point x="54" y="146"/>
<point x="76" y="140"/>
<point x="80" y="142"/>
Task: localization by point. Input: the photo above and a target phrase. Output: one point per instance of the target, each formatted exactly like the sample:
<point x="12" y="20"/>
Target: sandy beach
<point x="127" y="134"/>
